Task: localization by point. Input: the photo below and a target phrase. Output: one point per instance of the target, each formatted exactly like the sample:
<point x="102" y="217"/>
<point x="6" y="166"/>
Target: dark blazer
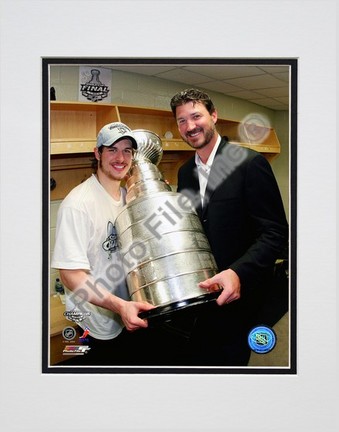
<point x="243" y="215"/>
<point x="244" y="220"/>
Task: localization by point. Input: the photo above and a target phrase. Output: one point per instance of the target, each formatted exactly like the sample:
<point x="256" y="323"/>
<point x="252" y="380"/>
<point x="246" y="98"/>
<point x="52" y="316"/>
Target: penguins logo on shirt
<point x="110" y="245"/>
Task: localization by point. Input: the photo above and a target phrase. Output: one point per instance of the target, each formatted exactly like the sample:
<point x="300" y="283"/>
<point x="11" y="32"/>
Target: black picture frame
<point x="292" y="63"/>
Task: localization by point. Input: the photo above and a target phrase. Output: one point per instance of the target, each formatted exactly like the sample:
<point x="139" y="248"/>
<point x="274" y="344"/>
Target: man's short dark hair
<point x="95" y="162"/>
<point x="191" y="95"/>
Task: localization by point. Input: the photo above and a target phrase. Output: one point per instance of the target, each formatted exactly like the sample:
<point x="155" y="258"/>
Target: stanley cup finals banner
<point x="94" y="84"/>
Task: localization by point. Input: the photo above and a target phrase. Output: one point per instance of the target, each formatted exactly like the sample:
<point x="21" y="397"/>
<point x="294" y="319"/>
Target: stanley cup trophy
<point x="164" y="249"/>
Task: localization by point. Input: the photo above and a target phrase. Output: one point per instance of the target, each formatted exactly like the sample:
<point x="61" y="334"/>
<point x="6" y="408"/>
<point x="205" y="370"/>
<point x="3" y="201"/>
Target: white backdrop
<point x="33" y="29"/>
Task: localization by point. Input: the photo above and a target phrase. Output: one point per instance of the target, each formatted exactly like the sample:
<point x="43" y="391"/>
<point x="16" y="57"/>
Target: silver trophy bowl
<point x="164" y="248"/>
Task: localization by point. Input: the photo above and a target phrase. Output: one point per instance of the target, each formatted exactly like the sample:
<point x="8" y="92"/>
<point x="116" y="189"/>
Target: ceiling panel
<point x="266" y="85"/>
<point x="257" y="82"/>
<point x="222" y="72"/>
<point x="183" y="76"/>
<point x="246" y="94"/>
<point x="220" y="87"/>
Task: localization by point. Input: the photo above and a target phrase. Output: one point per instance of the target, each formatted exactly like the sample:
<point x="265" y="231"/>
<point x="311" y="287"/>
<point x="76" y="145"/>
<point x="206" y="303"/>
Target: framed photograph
<point x="155" y="50"/>
<point x="256" y="102"/>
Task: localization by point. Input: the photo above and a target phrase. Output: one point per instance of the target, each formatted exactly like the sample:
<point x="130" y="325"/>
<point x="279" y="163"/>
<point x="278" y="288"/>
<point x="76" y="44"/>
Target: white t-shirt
<point x="86" y="239"/>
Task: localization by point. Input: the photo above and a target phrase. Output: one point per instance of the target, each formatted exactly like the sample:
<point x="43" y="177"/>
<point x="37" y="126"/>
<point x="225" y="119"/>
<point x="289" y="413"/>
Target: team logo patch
<point x="262" y="339"/>
<point x="110" y="245"/>
<point x="69" y="333"/>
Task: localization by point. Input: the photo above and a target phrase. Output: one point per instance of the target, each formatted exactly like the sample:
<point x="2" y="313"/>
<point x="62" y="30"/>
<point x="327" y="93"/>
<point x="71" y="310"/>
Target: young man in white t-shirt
<point x="88" y="258"/>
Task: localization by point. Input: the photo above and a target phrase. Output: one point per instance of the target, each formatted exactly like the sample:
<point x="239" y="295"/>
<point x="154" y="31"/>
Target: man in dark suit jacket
<point x="239" y="204"/>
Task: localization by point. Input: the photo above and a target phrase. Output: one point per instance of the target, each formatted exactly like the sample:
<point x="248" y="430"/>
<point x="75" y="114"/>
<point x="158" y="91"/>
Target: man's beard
<point x="208" y="135"/>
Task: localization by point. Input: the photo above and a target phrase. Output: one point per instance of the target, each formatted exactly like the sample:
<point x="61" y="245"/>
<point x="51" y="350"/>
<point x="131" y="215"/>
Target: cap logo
<point x="113" y="132"/>
<point x="122" y="129"/>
